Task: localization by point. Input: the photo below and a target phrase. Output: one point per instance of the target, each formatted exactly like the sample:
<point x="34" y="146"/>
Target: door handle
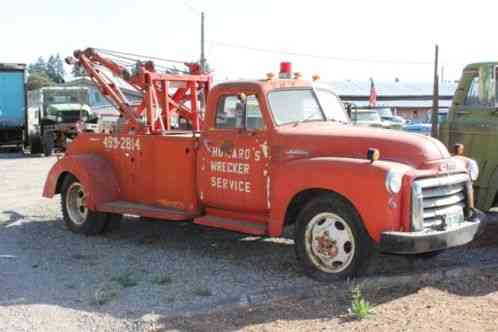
<point x="462" y="112"/>
<point x="207" y="144"/>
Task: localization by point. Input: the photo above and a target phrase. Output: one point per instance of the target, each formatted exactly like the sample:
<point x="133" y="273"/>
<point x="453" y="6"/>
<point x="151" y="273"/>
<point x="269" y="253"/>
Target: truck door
<point x="233" y="163"/>
<point x="473" y="120"/>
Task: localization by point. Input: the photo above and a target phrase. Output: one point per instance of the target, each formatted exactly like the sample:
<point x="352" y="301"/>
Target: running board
<point x="241" y="226"/>
<point x="143" y="210"/>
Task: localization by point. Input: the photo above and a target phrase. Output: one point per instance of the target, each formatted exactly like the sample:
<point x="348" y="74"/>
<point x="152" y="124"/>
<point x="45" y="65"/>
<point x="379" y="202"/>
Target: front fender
<point x="359" y="181"/>
<point x="94" y="173"/>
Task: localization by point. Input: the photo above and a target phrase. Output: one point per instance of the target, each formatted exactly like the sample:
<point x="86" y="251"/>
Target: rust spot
<point x="326" y="246"/>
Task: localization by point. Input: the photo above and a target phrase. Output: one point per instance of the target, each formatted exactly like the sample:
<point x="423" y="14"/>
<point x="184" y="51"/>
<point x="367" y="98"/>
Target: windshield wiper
<point x="306" y="119"/>
<point x="338" y="121"/>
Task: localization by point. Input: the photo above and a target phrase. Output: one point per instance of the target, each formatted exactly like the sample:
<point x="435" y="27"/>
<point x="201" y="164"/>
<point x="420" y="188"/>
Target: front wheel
<point x="77" y="216"/>
<point x="330" y="240"/>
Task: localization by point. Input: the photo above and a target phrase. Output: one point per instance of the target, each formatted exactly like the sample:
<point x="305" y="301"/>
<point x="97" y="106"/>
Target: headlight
<point x="473" y="169"/>
<point x="59" y="119"/>
<point x="394" y="181"/>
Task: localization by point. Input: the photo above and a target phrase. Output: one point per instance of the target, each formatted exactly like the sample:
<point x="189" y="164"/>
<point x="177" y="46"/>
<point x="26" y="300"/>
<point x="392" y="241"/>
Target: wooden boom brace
<point x="163" y="94"/>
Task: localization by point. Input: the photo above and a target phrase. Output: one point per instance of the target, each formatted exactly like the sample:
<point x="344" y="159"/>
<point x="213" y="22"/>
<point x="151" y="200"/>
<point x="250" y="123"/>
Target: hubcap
<point x="329" y="242"/>
<point x="76" y="203"/>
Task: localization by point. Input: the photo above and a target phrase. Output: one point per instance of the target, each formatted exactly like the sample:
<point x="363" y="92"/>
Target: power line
<point x="191" y="8"/>
<point x="316" y="56"/>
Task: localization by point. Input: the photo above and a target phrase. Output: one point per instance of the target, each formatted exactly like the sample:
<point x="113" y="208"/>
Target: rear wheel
<point x="77" y="216"/>
<point x="35" y="144"/>
<point x="330" y="240"/>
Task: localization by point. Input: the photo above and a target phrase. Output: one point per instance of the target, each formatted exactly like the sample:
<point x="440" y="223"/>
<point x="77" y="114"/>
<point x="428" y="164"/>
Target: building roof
<point x="391" y="89"/>
<point x="443" y="103"/>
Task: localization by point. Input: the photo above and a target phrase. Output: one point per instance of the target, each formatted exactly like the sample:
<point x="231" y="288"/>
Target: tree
<point x="45" y="73"/>
<point x="38" y="66"/>
<point x="38" y="80"/>
<point x="55" y="69"/>
<point x="78" y="71"/>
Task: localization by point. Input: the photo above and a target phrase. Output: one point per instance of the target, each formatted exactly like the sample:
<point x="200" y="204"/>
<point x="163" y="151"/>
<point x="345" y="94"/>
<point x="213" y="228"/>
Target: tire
<point x="318" y="251"/>
<point x="77" y="217"/>
<point x="35" y="144"/>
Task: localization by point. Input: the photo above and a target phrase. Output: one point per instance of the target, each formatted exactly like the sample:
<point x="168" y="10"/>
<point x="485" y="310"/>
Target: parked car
<point x="393" y="121"/>
<point x="418" y="128"/>
<point x="366" y="118"/>
<point x="425" y="128"/>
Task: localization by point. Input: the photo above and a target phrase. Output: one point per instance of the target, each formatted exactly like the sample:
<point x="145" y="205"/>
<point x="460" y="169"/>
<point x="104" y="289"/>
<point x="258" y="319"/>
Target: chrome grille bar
<point x="436" y="197"/>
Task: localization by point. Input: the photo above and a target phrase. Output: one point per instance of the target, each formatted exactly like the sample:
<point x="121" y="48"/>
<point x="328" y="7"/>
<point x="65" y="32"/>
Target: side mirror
<point x="348" y="106"/>
<point x="242" y="97"/>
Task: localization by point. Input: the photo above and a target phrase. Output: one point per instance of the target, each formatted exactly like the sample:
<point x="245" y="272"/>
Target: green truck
<point x="473" y="121"/>
<point x="55" y="113"/>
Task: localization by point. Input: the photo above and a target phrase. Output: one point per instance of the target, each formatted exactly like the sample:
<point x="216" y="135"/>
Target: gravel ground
<point x="52" y="279"/>
<point x="463" y="304"/>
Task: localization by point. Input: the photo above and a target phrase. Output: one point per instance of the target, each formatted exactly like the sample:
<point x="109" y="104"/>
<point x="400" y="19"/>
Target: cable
<point x="324" y="57"/>
<point x="110" y="52"/>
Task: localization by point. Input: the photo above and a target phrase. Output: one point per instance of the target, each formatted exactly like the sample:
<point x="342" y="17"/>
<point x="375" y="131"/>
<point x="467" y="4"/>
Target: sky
<point x="353" y="39"/>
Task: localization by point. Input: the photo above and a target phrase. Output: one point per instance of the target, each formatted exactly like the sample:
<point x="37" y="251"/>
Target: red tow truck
<point x="259" y="157"/>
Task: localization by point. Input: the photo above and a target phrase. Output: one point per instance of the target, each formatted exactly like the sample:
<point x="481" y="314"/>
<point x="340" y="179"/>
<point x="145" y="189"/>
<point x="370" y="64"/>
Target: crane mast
<point x="163" y="93"/>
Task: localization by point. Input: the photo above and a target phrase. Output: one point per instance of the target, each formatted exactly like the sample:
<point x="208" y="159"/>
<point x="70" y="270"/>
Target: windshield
<point x="290" y="106"/>
<point x="332" y="106"/>
<point x="366" y="116"/>
<point x="65" y="96"/>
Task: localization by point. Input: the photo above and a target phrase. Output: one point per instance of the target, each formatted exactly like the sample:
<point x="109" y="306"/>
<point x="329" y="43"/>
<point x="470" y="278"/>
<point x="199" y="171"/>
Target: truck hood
<point x="334" y="140"/>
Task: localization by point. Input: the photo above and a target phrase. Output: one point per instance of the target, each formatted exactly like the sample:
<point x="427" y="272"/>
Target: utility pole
<point x="435" y="96"/>
<point x="203" y="55"/>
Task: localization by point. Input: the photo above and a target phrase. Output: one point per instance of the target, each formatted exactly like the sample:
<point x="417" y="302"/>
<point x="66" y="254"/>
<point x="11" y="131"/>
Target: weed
<point x="162" y="279"/>
<point x="360" y="308"/>
<point x="202" y="292"/>
<point x="125" y="280"/>
<point x="103" y="296"/>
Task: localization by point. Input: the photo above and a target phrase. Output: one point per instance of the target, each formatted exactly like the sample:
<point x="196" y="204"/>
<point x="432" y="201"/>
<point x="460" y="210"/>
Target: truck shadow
<point x="172" y="267"/>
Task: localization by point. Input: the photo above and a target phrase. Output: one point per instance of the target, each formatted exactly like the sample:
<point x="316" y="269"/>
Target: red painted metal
<point x="238" y="179"/>
<point x="158" y="103"/>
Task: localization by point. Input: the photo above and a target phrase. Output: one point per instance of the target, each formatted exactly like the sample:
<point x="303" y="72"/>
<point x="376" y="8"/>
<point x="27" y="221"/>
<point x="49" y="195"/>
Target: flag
<point x="372" y="100"/>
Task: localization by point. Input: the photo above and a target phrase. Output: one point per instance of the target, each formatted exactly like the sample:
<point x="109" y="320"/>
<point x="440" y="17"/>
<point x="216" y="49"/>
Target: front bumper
<point x="432" y="240"/>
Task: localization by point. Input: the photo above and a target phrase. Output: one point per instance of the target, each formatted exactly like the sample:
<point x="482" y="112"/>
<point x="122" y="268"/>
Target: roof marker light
<point x="285" y="70"/>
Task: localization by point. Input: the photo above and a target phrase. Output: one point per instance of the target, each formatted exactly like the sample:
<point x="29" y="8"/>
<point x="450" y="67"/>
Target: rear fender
<point x="94" y="173"/>
<point x="357" y="180"/>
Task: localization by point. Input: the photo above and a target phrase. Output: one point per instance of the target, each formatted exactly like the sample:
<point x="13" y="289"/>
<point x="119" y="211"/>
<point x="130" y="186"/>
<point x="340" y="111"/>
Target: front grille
<point x="434" y="198"/>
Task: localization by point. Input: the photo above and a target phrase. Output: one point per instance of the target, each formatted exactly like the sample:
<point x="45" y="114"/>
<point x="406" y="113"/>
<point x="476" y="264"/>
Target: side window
<point x="481" y="92"/>
<point x="472" y="98"/>
<point x="254" y="119"/>
<point x="230" y="113"/>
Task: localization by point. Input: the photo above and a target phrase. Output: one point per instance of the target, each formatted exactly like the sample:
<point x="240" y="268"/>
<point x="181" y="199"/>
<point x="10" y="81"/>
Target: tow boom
<point x="163" y="93"/>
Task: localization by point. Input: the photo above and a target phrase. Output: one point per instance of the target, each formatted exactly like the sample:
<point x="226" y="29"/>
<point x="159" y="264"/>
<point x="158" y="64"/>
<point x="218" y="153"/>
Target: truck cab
<point x="56" y="111"/>
<point x="473" y="121"/>
<point x="271" y="154"/>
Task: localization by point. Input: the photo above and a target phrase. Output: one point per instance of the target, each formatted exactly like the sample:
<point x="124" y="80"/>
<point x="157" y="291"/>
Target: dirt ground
<point x="457" y="304"/>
